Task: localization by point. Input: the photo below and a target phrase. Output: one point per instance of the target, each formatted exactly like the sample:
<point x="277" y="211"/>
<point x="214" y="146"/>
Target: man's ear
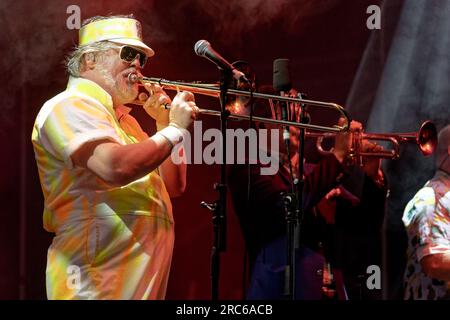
<point x="89" y="60"/>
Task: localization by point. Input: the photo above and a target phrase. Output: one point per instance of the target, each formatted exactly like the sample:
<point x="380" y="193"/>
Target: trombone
<point x="212" y="90"/>
<point x="425" y="139"/>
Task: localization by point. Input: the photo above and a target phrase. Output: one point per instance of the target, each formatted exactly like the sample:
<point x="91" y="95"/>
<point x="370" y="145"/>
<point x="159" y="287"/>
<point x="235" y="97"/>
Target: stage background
<point x="390" y="79"/>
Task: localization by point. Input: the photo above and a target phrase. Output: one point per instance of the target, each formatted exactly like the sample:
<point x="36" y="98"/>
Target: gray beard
<point x="124" y="94"/>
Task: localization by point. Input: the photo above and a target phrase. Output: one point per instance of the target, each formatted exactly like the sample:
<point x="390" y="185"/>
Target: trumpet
<point x="425" y="139"/>
<point x="214" y="91"/>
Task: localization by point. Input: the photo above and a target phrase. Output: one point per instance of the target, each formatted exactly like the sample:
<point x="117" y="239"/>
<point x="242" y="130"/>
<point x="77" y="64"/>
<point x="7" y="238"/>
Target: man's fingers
<point x="378" y="148"/>
<point x="149" y="87"/>
<point x="195" y="112"/>
<point x="143" y="96"/>
<point x="372" y="146"/>
<point x="356" y="126"/>
<point x="164" y="100"/>
<point x="186" y="96"/>
<point x="153" y="88"/>
<point x="333" y="193"/>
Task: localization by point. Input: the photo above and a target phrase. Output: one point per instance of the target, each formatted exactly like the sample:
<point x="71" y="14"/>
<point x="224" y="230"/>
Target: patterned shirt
<point x="83" y="113"/>
<point x="111" y="242"/>
<point x="427" y="221"/>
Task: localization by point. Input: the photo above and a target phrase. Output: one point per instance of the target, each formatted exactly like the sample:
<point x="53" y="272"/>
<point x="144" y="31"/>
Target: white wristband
<point x="173" y="134"/>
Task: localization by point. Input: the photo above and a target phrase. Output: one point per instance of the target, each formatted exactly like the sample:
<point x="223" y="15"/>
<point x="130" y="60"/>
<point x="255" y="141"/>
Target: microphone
<point x="281" y="75"/>
<point x="203" y="49"/>
<point x="282" y="83"/>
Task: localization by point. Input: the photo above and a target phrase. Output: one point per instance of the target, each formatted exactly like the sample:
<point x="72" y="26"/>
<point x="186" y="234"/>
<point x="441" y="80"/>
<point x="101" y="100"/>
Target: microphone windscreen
<point x="200" y="47"/>
<point x="281" y="75"/>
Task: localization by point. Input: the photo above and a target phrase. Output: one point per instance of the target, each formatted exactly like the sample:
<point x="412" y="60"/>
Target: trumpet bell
<point x="427" y="138"/>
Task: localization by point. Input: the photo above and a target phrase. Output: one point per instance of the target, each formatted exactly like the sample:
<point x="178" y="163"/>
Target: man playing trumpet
<point x="106" y="184"/>
<point x="333" y="224"/>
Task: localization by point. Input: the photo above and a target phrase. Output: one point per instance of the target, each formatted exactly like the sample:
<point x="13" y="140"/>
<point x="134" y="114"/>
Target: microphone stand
<point x="293" y="206"/>
<point x="219" y="207"/>
<point x="289" y="200"/>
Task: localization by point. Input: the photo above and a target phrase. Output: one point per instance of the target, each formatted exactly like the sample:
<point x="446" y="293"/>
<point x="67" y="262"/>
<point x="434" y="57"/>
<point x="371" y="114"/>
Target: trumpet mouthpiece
<point x="133" y="78"/>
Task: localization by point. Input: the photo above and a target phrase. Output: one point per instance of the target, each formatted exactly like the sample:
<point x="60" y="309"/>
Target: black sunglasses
<point x="128" y="54"/>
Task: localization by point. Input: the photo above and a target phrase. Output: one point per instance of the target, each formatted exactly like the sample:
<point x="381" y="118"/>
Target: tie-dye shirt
<point x="83" y="113"/>
<point x="110" y="242"/>
<point x="427" y="221"/>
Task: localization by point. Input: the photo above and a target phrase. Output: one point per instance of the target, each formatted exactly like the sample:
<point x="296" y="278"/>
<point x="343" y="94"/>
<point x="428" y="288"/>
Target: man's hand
<point x="344" y="141"/>
<point x="154" y="105"/>
<point x="183" y="110"/>
<point x="327" y="206"/>
<point x="372" y="165"/>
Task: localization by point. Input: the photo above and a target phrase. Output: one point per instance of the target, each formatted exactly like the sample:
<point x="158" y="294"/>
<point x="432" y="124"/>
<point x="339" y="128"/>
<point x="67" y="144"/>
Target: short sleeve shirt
<point x="427" y="221"/>
<point x="82" y="113"/>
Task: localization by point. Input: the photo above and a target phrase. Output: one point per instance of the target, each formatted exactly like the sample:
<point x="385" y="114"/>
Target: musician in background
<point x="325" y="245"/>
<point x="427" y="221"/>
<point x="106" y="184"/>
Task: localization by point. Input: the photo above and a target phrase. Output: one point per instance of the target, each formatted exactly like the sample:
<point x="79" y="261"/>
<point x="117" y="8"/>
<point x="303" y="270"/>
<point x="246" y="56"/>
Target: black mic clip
<point x="289" y="201"/>
<point x="305" y="117"/>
